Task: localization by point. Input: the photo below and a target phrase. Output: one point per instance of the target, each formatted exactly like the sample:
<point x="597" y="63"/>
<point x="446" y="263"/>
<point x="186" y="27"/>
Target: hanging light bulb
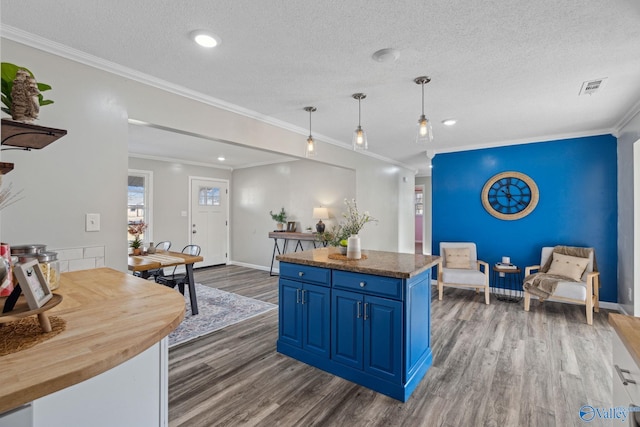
<point x="359" y="135"/>
<point x="425" y="132"/>
<point x="311" y="144"/>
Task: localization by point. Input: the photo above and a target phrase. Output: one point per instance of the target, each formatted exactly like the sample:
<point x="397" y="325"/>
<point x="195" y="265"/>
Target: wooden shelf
<point x="5" y="168"/>
<point x="28" y="136"/>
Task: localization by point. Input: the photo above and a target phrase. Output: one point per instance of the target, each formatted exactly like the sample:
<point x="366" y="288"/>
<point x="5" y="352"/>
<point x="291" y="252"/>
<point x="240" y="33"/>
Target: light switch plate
<point x="92" y="222"/>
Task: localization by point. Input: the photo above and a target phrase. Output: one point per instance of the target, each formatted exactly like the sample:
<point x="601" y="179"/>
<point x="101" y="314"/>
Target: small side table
<point x="507" y="284"/>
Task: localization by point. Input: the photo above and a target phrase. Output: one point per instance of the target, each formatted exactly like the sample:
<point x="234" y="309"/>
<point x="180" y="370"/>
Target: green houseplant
<point x="279" y="217"/>
<point x="8" y="75"/>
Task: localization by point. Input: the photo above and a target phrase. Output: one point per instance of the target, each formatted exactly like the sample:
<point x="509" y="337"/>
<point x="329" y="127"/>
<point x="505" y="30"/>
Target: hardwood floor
<point x="494" y="365"/>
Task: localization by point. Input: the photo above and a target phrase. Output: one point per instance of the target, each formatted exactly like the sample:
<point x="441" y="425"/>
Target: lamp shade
<point x="320" y="213"/>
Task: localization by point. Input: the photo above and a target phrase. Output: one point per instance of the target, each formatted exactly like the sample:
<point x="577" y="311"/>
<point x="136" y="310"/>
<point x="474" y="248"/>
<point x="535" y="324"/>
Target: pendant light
<point x="359" y="135"/>
<point x="425" y="132"/>
<point x="311" y="144"/>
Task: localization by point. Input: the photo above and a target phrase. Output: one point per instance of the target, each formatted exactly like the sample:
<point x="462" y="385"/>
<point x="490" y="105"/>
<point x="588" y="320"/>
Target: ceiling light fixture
<point x="205" y="38"/>
<point x="449" y="122"/>
<point x="311" y="144"/>
<point x="221" y="158"/>
<point x="386" y="55"/>
<point x="425" y="132"/>
<point x="359" y="135"/>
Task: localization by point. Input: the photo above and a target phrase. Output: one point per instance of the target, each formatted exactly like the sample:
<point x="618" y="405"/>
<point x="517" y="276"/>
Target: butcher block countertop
<point x="628" y="329"/>
<point x="379" y="263"/>
<point x="111" y="317"/>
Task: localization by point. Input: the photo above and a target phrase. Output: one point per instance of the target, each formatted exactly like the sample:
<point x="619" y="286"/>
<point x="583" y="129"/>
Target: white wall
<point x="171" y="196"/>
<point x="297" y="186"/>
<point x="628" y="242"/>
<point x="86" y="171"/>
<point x="83" y="172"/>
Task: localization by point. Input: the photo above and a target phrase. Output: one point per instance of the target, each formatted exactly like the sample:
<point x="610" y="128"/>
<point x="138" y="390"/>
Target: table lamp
<point x="320" y="214"/>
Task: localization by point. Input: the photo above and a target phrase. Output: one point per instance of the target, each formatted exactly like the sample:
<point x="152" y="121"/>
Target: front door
<point x="209" y="219"/>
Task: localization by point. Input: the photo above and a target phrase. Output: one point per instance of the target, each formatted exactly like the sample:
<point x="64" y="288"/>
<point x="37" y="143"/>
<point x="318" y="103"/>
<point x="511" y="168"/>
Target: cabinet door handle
<point x="297" y="296"/>
<point x="359" y="314"/>
<point x="363" y="284"/>
<point x="621" y="372"/>
<point x="303" y="291"/>
<point x="300" y="273"/>
<point x="366" y="308"/>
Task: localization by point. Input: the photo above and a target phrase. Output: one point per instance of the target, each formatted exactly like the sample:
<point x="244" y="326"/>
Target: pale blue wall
<point x="577" y="179"/>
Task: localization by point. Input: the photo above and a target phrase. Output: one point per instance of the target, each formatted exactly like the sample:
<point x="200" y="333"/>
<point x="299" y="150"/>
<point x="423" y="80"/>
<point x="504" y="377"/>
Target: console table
<point x="286" y="236"/>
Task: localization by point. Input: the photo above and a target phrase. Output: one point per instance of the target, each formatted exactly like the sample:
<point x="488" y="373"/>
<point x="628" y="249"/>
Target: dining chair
<point x="179" y="279"/>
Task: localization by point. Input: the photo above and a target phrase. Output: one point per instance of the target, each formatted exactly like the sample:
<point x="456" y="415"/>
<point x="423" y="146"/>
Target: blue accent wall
<point x="577" y="207"/>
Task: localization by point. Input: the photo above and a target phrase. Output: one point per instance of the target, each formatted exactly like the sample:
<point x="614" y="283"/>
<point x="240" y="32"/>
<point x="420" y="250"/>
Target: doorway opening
<point x="419" y="219"/>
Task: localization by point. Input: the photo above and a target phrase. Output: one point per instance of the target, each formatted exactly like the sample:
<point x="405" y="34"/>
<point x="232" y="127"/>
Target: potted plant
<point x="8" y="75"/>
<point x="280" y="218"/>
<point x="136" y="231"/>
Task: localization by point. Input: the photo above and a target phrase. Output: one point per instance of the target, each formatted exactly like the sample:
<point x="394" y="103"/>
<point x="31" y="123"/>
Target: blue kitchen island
<point x="367" y="321"/>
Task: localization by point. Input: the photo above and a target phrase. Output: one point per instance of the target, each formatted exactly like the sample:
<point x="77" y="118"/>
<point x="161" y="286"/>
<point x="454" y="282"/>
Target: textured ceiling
<point x="508" y="71"/>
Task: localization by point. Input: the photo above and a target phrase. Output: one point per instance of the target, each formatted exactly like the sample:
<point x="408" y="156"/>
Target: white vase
<point x="353" y="247"/>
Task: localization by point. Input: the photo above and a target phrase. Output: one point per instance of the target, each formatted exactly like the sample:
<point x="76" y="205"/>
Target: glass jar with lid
<point x="49" y="265"/>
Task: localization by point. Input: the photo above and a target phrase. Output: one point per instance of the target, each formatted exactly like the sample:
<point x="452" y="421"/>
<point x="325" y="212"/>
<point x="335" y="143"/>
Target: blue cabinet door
<point x="290" y="322"/>
<point x="316" y="309"/>
<point x="347" y="328"/>
<point x="383" y="332"/>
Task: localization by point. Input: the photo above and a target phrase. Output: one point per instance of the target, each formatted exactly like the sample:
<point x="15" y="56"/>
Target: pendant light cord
<point x="422" y="98"/>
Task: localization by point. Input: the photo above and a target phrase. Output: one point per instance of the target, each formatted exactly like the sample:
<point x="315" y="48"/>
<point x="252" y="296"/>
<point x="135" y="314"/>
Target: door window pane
<point x="137" y="209"/>
<point x="209" y="196"/>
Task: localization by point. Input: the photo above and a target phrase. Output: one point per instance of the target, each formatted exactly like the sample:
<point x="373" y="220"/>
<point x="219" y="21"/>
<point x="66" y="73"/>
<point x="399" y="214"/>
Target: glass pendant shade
<point x="311" y="147"/>
<point x="425" y="131"/>
<point x="311" y="143"/>
<point x="360" y="139"/>
<point x="359" y="135"/>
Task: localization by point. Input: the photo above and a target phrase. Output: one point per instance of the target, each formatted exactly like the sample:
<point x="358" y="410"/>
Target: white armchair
<point x="461" y="268"/>
<point x="585" y="292"/>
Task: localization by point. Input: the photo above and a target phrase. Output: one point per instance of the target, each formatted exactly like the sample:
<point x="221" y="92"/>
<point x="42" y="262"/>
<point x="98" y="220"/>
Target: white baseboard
<point x="254" y="266"/>
<point x="603" y="304"/>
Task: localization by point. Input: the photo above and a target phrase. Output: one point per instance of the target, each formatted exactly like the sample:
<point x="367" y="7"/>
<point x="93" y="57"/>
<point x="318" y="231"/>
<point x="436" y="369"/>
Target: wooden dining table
<point x="163" y="259"/>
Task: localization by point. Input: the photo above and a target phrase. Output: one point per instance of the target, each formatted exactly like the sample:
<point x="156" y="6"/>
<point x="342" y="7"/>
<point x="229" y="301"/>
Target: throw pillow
<point x="568" y="266"/>
<point x="457" y="258"/>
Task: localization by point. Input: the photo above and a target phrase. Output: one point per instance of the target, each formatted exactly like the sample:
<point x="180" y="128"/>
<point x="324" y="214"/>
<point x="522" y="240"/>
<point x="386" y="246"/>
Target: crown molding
<point x="531" y="140"/>
<point x="49" y="46"/>
<point x="633" y="111"/>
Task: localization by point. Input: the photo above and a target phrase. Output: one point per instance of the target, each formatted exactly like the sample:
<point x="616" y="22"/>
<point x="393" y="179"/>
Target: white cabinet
<point x="626" y="375"/>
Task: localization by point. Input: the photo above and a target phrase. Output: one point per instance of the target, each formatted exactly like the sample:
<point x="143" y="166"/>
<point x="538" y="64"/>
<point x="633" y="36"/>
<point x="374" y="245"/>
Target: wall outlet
<point x="630" y="294"/>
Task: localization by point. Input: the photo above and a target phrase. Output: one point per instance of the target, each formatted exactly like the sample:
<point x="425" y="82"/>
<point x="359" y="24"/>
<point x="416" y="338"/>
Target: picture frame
<point x="291" y="226"/>
<point x="33" y="284"/>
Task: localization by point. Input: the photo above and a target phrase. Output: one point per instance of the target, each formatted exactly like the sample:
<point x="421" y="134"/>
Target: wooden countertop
<point x="111" y="317"/>
<point x="628" y="329"/>
<point x="379" y="263"/>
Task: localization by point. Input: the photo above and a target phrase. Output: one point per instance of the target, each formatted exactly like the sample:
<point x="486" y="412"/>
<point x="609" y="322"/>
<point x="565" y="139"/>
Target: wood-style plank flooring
<point x="494" y="365"/>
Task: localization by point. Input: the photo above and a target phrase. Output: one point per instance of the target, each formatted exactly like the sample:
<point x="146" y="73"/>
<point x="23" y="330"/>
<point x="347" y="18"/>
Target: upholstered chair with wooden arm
<point x="582" y="285"/>
<point x="461" y="268"/>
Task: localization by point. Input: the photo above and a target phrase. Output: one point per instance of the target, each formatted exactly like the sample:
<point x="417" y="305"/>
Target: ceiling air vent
<point x="592" y="86"/>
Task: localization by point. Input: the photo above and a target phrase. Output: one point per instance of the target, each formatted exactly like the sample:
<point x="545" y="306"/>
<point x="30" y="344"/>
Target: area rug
<point x="216" y="309"/>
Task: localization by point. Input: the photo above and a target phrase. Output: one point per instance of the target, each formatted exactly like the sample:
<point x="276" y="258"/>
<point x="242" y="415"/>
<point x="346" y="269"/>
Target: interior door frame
<point x="189" y="212"/>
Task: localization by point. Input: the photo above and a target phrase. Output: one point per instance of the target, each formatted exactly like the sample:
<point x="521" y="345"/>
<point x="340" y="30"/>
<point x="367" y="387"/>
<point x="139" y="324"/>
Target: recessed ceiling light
<point x="449" y="122"/>
<point x="221" y="158"/>
<point x="205" y="38"/>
